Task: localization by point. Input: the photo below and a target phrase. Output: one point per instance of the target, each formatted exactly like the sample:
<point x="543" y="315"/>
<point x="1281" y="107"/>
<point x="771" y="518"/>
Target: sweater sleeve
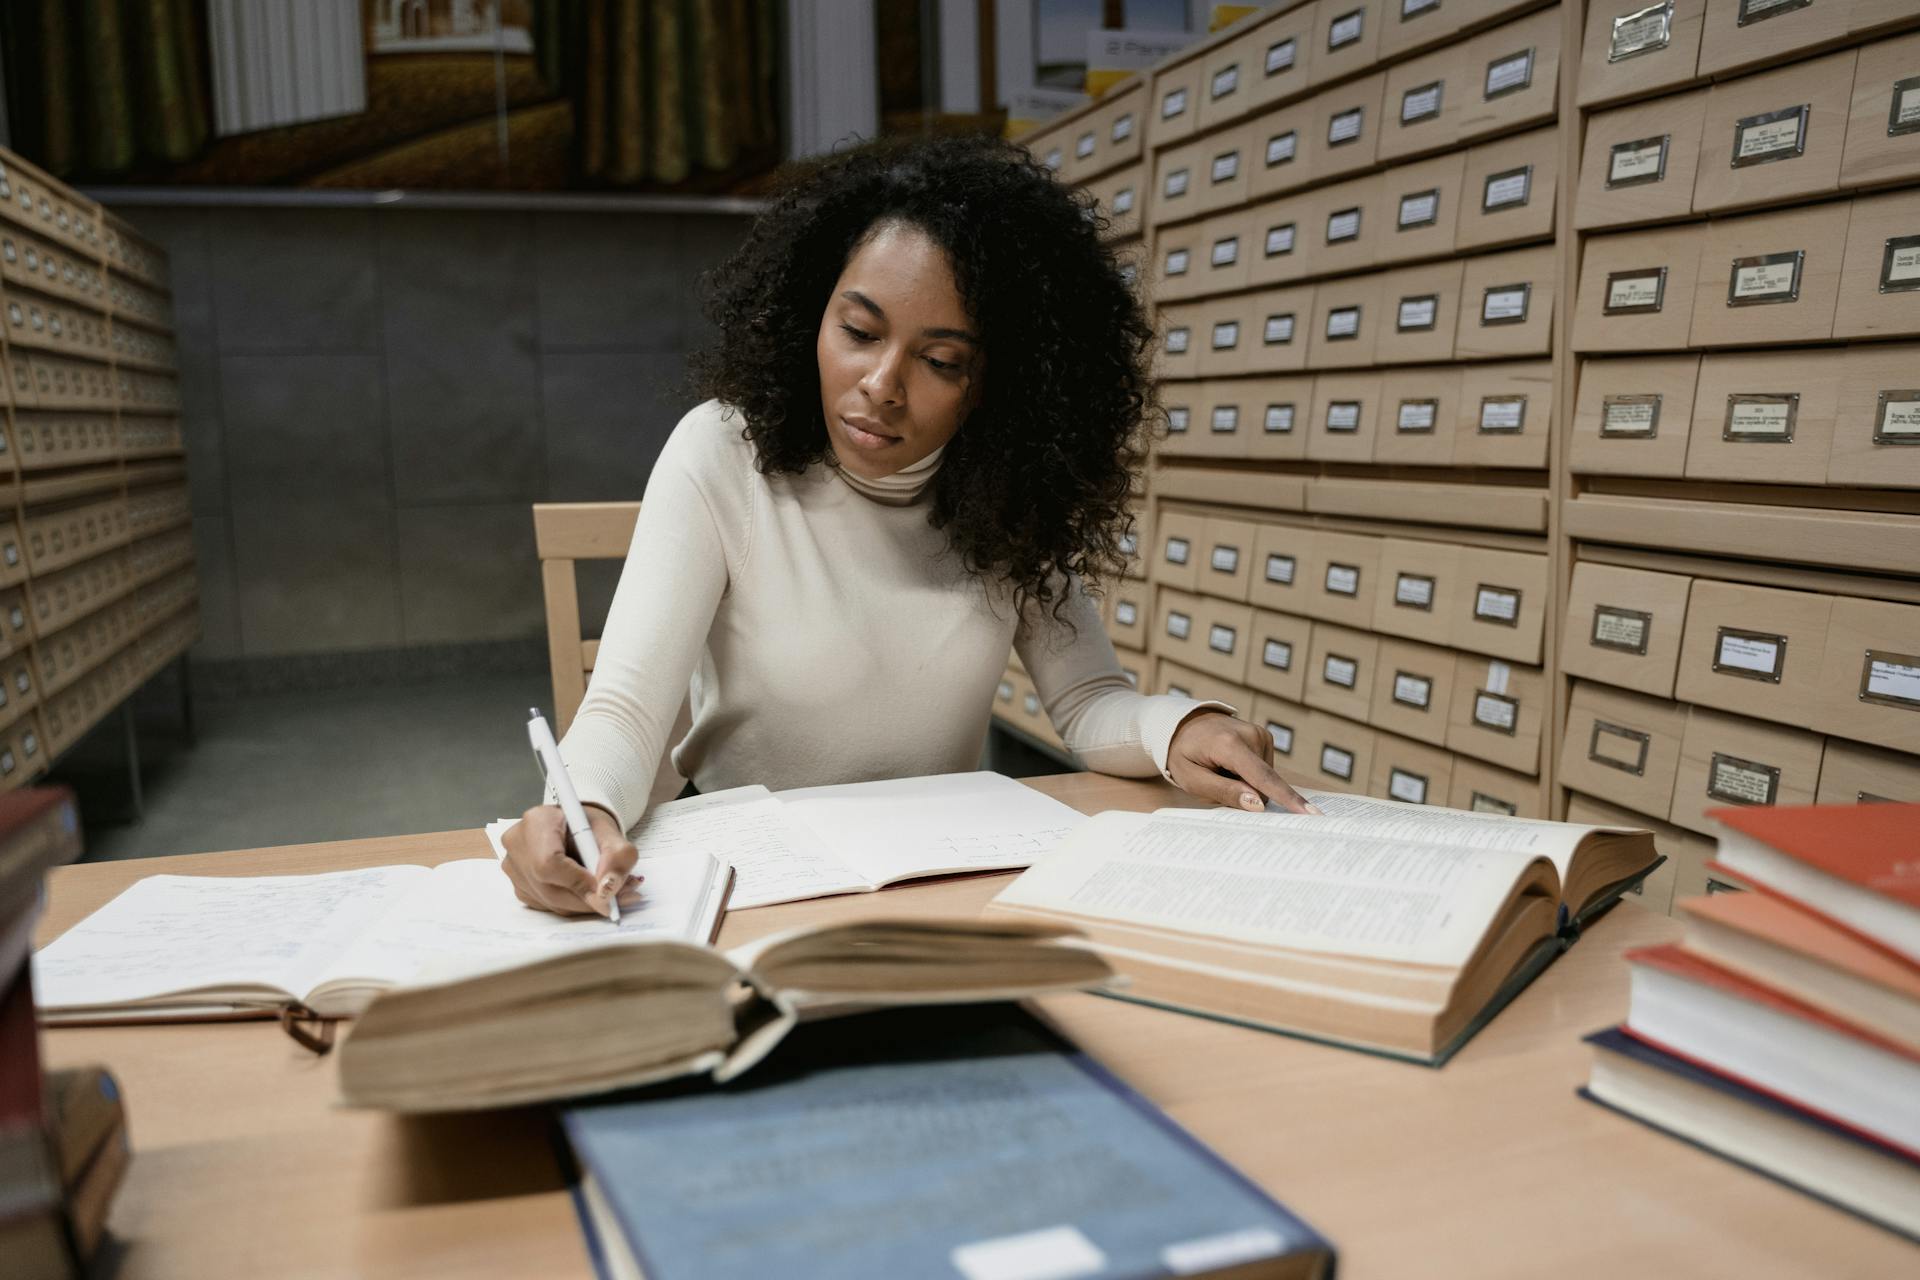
<point x="1102" y="719"/>
<point x="692" y="532"/>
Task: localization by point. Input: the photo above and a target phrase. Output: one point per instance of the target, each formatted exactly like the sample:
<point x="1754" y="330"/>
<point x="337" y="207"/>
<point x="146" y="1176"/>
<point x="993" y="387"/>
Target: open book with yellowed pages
<point x="1395" y="928"/>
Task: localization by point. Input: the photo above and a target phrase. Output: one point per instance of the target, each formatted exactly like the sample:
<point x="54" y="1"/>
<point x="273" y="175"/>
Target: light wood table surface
<point x="1488" y="1167"/>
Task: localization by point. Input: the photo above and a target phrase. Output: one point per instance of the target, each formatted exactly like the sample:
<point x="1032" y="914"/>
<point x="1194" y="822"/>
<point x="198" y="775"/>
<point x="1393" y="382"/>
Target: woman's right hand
<point x="545" y="876"/>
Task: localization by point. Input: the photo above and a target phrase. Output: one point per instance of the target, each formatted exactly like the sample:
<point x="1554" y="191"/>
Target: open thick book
<point x="591" y="1021"/>
<point x="184" y="947"/>
<point x="1390" y="927"/>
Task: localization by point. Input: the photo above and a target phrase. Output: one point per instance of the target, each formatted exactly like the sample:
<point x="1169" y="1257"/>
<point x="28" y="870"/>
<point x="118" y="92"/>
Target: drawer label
<point x="1484" y="803"/>
<point x="1280" y="55"/>
<point x="1282" y="736"/>
<point x="1343" y="225"/>
<point x="1413" y="591"/>
<point x="1891" y="679"/>
<point x="1178" y="549"/>
<point x="1346" y="28"/>
<point x="1343" y="322"/>
<point x="1642" y="31"/>
<point x="1505" y="304"/>
<point x="1282" y="147"/>
<point x="1032" y="703"/>
<point x="1410" y="787"/>
<point x="1637" y="163"/>
<point x="1225" y="419"/>
<point x="1502" y="415"/>
<point x="1226" y="166"/>
<point x="1766" y="278"/>
<point x="1422" y="103"/>
<point x="1053" y="159"/>
<point x="1635" y="292"/>
<point x="1336" y="761"/>
<point x="1903" y="113"/>
<point x="1279" y="330"/>
<point x="1177" y="417"/>
<point x="1412" y="691"/>
<point x="1126" y="613"/>
<point x="1761" y="417"/>
<point x="1510" y="74"/>
<point x="1004" y="692"/>
<point x="1221" y="639"/>
<point x="1280" y="569"/>
<point x="1760" y="10"/>
<point x="1900" y="265"/>
<point x="1179" y="625"/>
<point x="1623" y="629"/>
<point x="1225" y="252"/>
<point x="1770" y="136"/>
<point x="1122" y="128"/>
<point x="1414" y="8"/>
<point x="1497" y="604"/>
<point x="1345" y="127"/>
<point x="1496" y="711"/>
<point x="1417" y="416"/>
<point x="1084" y="147"/>
<point x="1419" y="209"/>
<point x="1343" y="415"/>
<point x="1417" y="314"/>
<point x="1173" y="104"/>
<point x="1897" y="418"/>
<point x="1177" y="339"/>
<point x="1280" y="240"/>
<point x="1619" y="748"/>
<point x="1226" y="335"/>
<point x="1751" y="655"/>
<point x="1630" y="415"/>
<point x="1738" y="781"/>
<point x="1176" y="262"/>
<point x="1176" y="184"/>
<point x="1277" y="654"/>
<point x="1225" y="81"/>
<point x="1225" y="559"/>
<point x="1508" y="189"/>
<point x="1123" y="200"/>
<point x="1279" y="419"/>
<point x="1129" y="543"/>
<point x="1343" y="579"/>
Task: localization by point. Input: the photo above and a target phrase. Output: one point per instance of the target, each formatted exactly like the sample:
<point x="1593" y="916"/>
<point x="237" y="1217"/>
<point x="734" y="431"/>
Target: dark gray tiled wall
<point x="373" y="398"/>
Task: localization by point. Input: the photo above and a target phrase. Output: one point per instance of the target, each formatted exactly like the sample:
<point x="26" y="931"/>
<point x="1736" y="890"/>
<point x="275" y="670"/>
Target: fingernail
<point x="632" y="880"/>
<point x="1248" y="800"/>
<point x="609" y="884"/>
<point x="1314" y="809"/>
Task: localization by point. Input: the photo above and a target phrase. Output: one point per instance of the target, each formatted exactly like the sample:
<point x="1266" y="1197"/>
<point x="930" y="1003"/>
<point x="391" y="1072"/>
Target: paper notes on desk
<point x="855" y="838"/>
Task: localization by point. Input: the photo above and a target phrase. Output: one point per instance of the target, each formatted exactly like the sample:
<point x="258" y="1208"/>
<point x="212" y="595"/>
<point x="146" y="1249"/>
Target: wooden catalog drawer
<point x="1765" y="416"/>
<point x="1755" y="651"/>
<point x="1128" y="616"/>
<point x="1137" y="542"/>
<point x="1340" y="579"/>
<point x="15" y="629"/>
<point x="1632" y="417"/>
<point x="13" y="559"/>
<point x="1633" y="47"/>
<point x="1772" y="137"/>
<point x="1346" y="38"/>
<point x="1280" y="321"/>
<point x="19" y="689"/>
<point x="1640" y="162"/>
<point x="1280" y="409"/>
<point x="1622" y="747"/>
<point x="1283" y="48"/>
<point x="1418" y="412"/>
<point x="1284" y="720"/>
<point x="1498" y="712"/>
<point x="1278" y="654"/>
<point x="1515" y="76"/>
<point x="1876" y="432"/>
<point x="1178" y="562"/>
<point x="1119" y="197"/>
<point x="1502" y="605"/>
<point x="1222" y="632"/>
<point x="1337" y="754"/>
<point x="1340" y="669"/>
<point x="1225" y="253"/>
<point x="23" y="751"/>
<point x="1507" y="190"/>
<point x="1854" y="774"/>
<point x="1185" y="682"/>
<point x="1637" y="290"/>
<point x="1346" y="414"/>
<point x="1749" y="33"/>
<point x="1420" y="208"/>
<point x="1770" y="277"/>
<point x="1346" y="126"/>
<point x="1224" y="170"/>
<point x="1347" y="317"/>
<point x="1506" y="414"/>
<point x="1282" y="151"/>
<point x="1226" y="82"/>
<point x="1030" y="713"/>
<point x="1426" y="100"/>
<point x="1410" y="772"/>
<point x="1506" y="305"/>
<point x="1179" y="352"/>
<point x="1118" y="130"/>
<point x="1281" y="250"/>
<point x="1624" y="627"/>
<point x="1174" y="99"/>
<point x="1283" y="565"/>
<point x="1655" y="893"/>
<point x="1134" y="668"/>
<point x="1870" y="686"/>
<point x="1226" y="333"/>
<point x="1176" y="625"/>
<point x="1482" y="788"/>
<point x="1179" y="175"/>
<point x="1880" y="279"/>
<point x="1883" y="127"/>
<point x="1227" y="560"/>
<point x="1731" y="760"/>
<point x="1183" y="405"/>
<point x="1421" y="307"/>
<point x="1413" y="688"/>
<point x="1179" y="255"/>
<point x="1416" y="592"/>
<point x="1345" y="224"/>
<point x="1224" y="419"/>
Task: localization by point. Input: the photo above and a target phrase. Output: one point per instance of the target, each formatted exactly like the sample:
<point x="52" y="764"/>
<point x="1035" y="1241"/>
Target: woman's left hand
<point x="1224" y="759"/>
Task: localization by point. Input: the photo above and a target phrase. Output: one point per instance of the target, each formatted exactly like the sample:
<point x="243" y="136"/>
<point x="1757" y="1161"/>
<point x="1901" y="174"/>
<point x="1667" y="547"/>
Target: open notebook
<point x="1391" y="927"/>
<point x="852" y="838"/>
<point x="185" y="947"/>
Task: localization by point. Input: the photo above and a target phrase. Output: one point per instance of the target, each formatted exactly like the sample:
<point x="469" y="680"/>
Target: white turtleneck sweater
<point x="827" y="635"/>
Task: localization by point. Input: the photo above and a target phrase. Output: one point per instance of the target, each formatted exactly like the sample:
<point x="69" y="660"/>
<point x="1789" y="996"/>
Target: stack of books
<point x="1783" y="1031"/>
<point x="63" y="1134"/>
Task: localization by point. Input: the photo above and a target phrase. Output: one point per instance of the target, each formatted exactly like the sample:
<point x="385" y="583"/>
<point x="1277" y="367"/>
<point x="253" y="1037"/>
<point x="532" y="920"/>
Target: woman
<point x="925" y="400"/>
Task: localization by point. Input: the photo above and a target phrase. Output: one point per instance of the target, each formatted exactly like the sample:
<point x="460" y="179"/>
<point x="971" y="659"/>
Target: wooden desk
<point x="1488" y="1167"/>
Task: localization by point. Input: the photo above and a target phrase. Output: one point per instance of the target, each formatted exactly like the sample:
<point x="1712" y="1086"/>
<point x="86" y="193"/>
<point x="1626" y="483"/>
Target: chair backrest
<point x="565" y="533"/>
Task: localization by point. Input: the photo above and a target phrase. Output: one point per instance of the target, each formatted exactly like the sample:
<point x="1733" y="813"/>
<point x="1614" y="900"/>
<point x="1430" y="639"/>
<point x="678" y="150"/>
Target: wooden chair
<point x="565" y="533"/>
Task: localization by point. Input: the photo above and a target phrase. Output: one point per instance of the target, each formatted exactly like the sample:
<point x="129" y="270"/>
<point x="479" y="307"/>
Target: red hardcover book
<point x="39" y="830"/>
<point x="29" y="1179"/>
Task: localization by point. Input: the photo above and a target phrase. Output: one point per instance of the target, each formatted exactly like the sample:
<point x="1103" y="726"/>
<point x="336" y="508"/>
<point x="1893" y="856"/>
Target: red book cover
<point x="1874" y="846"/>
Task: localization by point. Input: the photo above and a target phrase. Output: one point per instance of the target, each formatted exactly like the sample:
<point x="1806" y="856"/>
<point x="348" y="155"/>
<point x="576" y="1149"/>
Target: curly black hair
<point x="1035" y="483"/>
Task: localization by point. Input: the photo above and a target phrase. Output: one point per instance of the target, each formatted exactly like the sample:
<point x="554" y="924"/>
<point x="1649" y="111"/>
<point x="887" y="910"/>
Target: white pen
<point x="585" y="847"/>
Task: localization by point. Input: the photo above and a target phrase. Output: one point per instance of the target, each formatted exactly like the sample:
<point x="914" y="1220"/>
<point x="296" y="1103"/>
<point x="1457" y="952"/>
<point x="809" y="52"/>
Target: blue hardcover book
<point x="968" y="1141"/>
